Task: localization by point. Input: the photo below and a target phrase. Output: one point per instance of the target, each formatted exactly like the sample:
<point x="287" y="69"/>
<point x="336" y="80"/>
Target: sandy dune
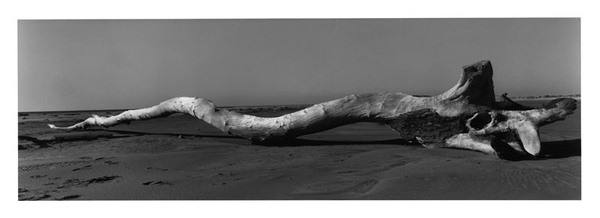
<point x="180" y="157"/>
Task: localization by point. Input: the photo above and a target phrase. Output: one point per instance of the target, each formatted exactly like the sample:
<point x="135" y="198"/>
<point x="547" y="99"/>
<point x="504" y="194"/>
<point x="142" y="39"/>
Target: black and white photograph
<point x="299" y="109"/>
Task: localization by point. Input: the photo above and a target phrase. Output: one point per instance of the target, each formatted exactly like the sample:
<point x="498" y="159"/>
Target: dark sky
<point x="114" y="64"/>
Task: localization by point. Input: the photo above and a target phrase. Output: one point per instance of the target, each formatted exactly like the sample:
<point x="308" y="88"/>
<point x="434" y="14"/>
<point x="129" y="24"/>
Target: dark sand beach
<point x="181" y="158"/>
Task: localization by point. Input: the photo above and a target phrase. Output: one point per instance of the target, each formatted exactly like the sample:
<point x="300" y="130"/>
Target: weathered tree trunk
<point x="466" y="116"/>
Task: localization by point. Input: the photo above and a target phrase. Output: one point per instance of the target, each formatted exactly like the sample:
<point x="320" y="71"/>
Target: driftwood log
<point x="467" y="116"/>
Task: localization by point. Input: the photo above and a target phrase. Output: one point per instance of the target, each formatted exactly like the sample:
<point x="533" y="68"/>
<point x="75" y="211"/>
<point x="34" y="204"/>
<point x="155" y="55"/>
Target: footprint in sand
<point x="156" y="168"/>
<point x="339" y="187"/>
<point x="35" y="197"/>
<point x="68" y="197"/>
<point x="110" y="162"/>
<point x="32" y="195"/>
<point x="157" y="183"/>
<point x="70" y="183"/>
<point x="346" y="171"/>
<point x="83" y="168"/>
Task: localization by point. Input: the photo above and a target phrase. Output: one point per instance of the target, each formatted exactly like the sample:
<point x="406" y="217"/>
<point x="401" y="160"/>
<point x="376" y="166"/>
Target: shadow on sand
<point x="561" y="149"/>
<point x="287" y="143"/>
<point x="550" y="150"/>
<point x="313" y="142"/>
<point x="127" y="132"/>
